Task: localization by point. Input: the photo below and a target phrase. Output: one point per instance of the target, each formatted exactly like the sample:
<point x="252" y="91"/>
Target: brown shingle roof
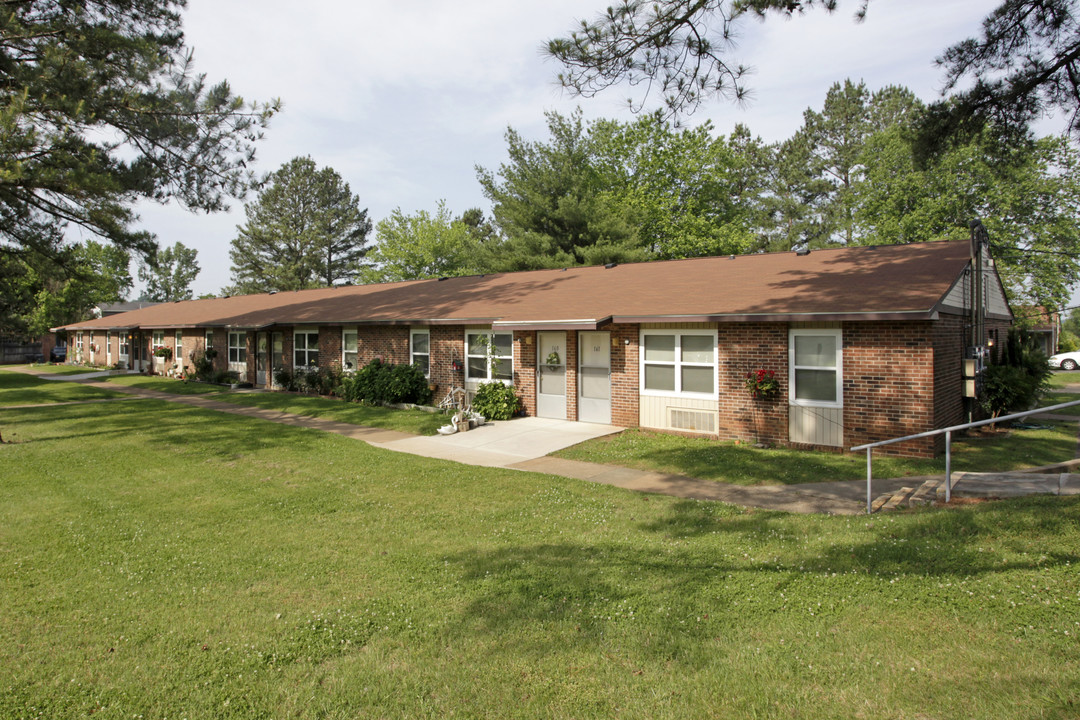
<point x="863" y="282"/>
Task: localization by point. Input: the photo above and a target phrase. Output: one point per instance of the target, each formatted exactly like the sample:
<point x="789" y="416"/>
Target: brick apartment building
<point x="866" y="343"/>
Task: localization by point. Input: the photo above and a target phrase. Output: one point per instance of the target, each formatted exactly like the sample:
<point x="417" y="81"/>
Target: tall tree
<point x="548" y="202"/>
<point x="168" y="274"/>
<point x="605" y="191"/>
<point x="305" y="230"/>
<point x="1026" y="62"/>
<point x="423" y="245"/>
<point x="99" y="108"/>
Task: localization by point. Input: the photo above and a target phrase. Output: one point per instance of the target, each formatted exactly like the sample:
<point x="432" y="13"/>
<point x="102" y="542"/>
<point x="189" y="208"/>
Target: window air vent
<point x="692" y="420"/>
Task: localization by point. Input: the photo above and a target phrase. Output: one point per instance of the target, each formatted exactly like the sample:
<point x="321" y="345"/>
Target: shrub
<point x="285" y="379"/>
<point x="1019" y="375"/>
<point x="496" y="401"/>
<point x="1067" y="342"/>
<point x="226" y="377"/>
<point x="203" y="365"/>
<point x="379" y="382"/>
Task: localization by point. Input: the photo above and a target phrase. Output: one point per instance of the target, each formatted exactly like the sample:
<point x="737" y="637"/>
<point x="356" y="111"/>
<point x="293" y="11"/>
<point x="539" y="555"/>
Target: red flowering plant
<point x="762" y="383"/>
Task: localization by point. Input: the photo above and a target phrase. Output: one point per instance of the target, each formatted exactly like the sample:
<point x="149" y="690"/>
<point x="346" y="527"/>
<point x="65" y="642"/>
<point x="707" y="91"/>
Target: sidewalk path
<point x="525" y="444"/>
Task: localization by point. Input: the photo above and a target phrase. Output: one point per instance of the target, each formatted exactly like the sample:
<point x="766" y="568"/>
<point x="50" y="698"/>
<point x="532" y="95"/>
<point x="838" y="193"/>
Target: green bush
<point x="1067" y="342"/>
<point x="285" y="379"/>
<point x="203" y="364"/>
<point x="379" y="382"/>
<point x="1017" y="377"/>
<point x="496" y="401"/>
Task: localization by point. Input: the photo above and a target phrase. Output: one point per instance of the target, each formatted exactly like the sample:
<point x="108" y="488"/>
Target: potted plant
<point x="762" y="384"/>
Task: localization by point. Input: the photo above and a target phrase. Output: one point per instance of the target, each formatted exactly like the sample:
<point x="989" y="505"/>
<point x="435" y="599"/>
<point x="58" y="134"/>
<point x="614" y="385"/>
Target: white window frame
<point x="209" y="342"/>
<point x="79" y="347"/>
<point x="178" y="354"/>
<point x="345" y="354"/>
<point x="241" y="348"/>
<point x="677" y="364"/>
<point x="306" y="332"/>
<point x="488" y="357"/>
<point x="838" y="338"/>
<point x="413" y="354"/>
<point x="108" y="347"/>
<point x="123" y="346"/>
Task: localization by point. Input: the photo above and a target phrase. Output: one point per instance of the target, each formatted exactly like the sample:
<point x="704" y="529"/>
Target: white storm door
<point x="594" y="377"/>
<point x="551" y="375"/>
<point x="261" y="374"/>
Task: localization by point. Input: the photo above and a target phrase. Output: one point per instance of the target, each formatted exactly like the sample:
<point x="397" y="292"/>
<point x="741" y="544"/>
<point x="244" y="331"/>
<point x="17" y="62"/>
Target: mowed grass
<point x="169" y="562"/>
<point x="417" y="422"/>
<point x="21" y="389"/>
<point x="173" y="386"/>
<point x="742" y="464"/>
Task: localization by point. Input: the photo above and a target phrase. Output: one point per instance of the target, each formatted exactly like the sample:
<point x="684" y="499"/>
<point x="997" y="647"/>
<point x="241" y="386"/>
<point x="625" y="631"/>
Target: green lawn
<point x="742" y="464"/>
<point x="1061" y="378"/>
<point x="162" y="561"/>
<point x="165" y="384"/>
<point x="63" y="369"/>
<point x="417" y="422"/>
<point x="21" y="389"/>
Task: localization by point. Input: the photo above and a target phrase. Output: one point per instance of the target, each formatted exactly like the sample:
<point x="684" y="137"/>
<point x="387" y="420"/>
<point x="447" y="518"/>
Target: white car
<point x="1066" y="360"/>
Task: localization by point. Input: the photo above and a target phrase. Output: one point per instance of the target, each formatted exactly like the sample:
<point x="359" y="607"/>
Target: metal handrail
<point x="948" y="431"/>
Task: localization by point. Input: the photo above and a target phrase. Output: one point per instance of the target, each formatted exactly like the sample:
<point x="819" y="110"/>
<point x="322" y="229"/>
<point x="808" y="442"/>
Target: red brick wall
<point x="625" y="411"/>
<point x="446" y="345"/>
<point x="330" y="347"/>
<point x="744" y="348"/>
<point x="889" y="384"/>
<point x="525" y="369"/>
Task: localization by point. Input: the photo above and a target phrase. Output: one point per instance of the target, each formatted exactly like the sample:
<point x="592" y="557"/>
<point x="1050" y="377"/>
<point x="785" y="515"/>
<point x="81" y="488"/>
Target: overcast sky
<point x="404" y="99"/>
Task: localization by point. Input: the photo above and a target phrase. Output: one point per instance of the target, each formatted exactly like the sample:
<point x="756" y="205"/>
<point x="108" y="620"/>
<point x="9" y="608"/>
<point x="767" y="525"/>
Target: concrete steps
<point x="980" y="485"/>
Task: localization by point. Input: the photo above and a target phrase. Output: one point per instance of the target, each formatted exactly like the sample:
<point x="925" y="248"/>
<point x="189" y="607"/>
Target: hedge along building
<point x="865" y="343"/>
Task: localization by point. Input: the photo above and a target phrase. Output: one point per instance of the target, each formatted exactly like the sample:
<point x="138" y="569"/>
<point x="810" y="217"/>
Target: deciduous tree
<point x="422" y="245"/>
<point x="168" y="273"/>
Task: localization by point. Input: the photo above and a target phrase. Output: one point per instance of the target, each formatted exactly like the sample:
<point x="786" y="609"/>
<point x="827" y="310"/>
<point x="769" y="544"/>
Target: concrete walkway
<point x="526" y="444"/>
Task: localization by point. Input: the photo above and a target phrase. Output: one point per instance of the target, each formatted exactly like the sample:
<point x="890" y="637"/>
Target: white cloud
<point x="404" y="99"/>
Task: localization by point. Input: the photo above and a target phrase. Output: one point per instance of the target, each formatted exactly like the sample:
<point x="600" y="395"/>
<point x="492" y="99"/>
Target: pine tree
<point x="305" y="230"/>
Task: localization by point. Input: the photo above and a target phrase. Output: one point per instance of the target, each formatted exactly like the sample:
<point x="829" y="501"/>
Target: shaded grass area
<point x="743" y="464"/>
<point x="21" y="389"/>
<point x="417" y="422"/>
<point x="171" y="562"/>
<point x="1061" y="396"/>
<point x="165" y="384"/>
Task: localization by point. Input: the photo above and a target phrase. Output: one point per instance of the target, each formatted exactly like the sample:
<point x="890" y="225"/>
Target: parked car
<point x="58" y="354"/>
<point x="1066" y="360"/>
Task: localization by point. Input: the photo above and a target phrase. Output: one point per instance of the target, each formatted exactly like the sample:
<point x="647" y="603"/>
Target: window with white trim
<point x="108" y="347"/>
<point x="123" y="345"/>
<point x="349" y="349"/>
<point x="420" y="350"/>
<point x="305" y="348"/>
<point x="79" y="345"/>
<point x="237" y="347"/>
<point x="209" y="339"/>
<point x="179" y="348"/>
<point x="489" y="356"/>
<point x="679" y="362"/>
<point x="815" y="367"/>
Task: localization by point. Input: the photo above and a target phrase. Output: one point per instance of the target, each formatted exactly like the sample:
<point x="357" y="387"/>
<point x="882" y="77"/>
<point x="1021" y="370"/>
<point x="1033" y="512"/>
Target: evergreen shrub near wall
<point x="1017" y="376"/>
<point x="379" y="382"/>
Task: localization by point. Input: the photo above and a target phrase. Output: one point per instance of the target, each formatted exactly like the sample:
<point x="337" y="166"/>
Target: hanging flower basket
<point x="762" y="384"/>
<point x="163" y="352"/>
